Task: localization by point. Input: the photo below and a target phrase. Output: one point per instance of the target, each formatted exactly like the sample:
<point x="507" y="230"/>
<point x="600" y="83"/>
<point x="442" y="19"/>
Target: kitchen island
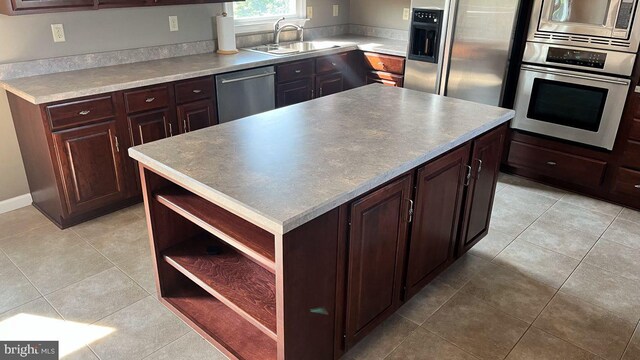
<point x="293" y="233"/>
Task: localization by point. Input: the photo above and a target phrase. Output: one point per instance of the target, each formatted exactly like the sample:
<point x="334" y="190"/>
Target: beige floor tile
<point x="633" y="349"/>
<point x="540" y="264"/>
<point x="188" y="347"/>
<point x="138" y="265"/>
<point x="537" y="344"/>
<point x="476" y="327"/>
<point x="15" y="290"/>
<point x="132" y="237"/>
<point x="106" y="224"/>
<point x="631" y="215"/>
<point x="44" y="241"/>
<point x="83" y="353"/>
<point x="592" y="204"/>
<point x="427" y="302"/>
<point x="588" y="221"/>
<point x="510" y="221"/>
<point x="383" y="340"/>
<point x="531" y="186"/>
<point x="460" y="272"/>
<point x="96" y="297"/>
<point x="424" y="345"/>
<point x="513" y="293"/>
<point x="616" y="258"/>
<point x="489" y="247"/>
<point x="588" y="326"/>
<point x="605" y="289"/>
<point x="624" y="232"/>
<point x="142" y="328"/>
<point x="21" y="220"/>
<point x="514" y="210"/>
<point x="560" y="238"/>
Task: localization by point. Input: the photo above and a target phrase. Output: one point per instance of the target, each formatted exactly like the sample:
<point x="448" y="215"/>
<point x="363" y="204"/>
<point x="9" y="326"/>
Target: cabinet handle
<point x="313" y="92"/>
<point x="320" y="92"/>
<point x="479" y="166"/>
<point x="298" y="71"/>
<point x="381" y="63"/>
<point x="467" y="179"/>
<point x="410" y="210"/>
<point x="637" y="186"/>
<point x="84" y="112"/>
<point x="552" y="163"/>
<point x="334" y="64"/>
<point x="197" y="91"/>
<point x="170" y="129"/>
<point x="117" y="143"/>
<point x="184" y="125"/>
<point x="150" y="100"/>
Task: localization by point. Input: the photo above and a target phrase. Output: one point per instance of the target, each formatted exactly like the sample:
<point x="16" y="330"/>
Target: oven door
<point x="580" y="17"/>
<point x="569" y="105"/>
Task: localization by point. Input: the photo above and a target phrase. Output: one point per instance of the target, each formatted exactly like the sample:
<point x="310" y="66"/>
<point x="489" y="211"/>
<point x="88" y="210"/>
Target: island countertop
<point x="285" y="167"/>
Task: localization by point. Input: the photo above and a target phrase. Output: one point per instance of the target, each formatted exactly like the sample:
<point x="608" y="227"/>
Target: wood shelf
<point x="238" y="282"/>
<point x="253" y="241"/>
<point x="221" y="325"/>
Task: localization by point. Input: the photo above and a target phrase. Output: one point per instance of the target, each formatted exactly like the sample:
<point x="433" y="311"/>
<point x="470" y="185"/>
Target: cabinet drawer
<point x="627" y="182"/>
<point x="146" y="99"/>
<point x="385" y="78"/>
<point x="192" y="90"/>
<point x="80" y="112"/>
<point x="634" y="134"/>
<point x="328" y="64"/>
<point x="631" y="156"/>
<point x="559" y="165"/>
<point x="379" y="62"/>
<point x="294" y="70"/>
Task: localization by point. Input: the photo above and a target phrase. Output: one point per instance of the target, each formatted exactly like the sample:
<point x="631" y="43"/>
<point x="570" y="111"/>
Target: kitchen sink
<point x="294" y="48"/>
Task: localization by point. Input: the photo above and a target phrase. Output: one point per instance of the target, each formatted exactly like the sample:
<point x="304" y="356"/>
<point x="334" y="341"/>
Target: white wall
<point x="379" y="13"/>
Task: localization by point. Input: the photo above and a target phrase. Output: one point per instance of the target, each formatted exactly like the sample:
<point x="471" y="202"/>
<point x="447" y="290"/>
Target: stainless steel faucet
<point x="277" y="29"/>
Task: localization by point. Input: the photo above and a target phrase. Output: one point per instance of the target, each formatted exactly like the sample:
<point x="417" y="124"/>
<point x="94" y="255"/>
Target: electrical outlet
<point x="309" y="12"/>
<point x="173" y="23"/>
<point x="336" y="10"/>
<point x="58" y="33"/>
<point x="406" y="13"/>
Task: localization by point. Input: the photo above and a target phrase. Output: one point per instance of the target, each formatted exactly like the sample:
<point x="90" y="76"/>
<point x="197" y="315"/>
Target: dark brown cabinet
<point x="384" y="69"/>
<point x="329" y="84"/>
<point x="376" y="253"/>
<point x="294" y="92"/>
<point x="485" y="167"/>
<point x="197" y="115"/>
<point x="439" y="197"/>
<point x="21" y="5"/>
<point x="90" y="163"/>
<point x="151" y="126"/>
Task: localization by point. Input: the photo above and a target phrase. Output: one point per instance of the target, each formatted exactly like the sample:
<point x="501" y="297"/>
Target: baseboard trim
<point x="15" y="203"/>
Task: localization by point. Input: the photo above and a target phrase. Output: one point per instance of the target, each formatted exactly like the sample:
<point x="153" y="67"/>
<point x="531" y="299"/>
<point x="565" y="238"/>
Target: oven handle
<point x="575" y="76"/>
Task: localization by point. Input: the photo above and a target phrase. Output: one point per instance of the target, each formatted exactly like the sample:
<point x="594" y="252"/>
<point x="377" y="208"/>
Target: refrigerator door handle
<point x="451" y="8"/>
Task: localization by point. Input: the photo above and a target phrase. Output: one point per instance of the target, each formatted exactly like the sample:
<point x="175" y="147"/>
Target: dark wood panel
<point x="147" y="99"/>
<point x="250" y="239"/>
<point x="294" y="92"/>
<point x="438" y="204"/>
<point x="294" y="70"/>
<point x="90" y="162"/>
<point x="193" y="90"/>
<point x="80" y="112"/>
<point x="627" y="182"/>
<point x="377" y="242"/>
<point x="197" y="115"/>
<point x="631" y="156"/>
<point x="387" y="63"/>
<point x="232" y="278"/>
<point x="485" y="162"/>
<point x="151" y="126"/>
<point x="332" y="63"/>
<point x="634" y="133"/>
<point x="384" y="78"/>
<point x="329" y="84"/>
<point x="49" y="4"/>
<point x="556" y="164"/>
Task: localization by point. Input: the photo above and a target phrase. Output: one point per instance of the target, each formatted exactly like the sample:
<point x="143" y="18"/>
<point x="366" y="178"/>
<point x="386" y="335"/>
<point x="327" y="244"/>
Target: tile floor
<point x="558" y="277"/>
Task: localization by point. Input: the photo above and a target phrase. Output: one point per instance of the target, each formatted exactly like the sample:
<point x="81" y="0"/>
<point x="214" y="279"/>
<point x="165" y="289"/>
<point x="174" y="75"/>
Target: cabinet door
<point x="91" y="166"/>
<point x="148" y="127"/>
<point x="329" y="84"/>
<point x="387" y="79"/>
<point x="197" y="115"/>
<point x="294" y="92"/>
<point x="377" y="240"/>
<point x="434" y="232"/>
<point x="45" y="4"/>
<point x="485" y="162"/>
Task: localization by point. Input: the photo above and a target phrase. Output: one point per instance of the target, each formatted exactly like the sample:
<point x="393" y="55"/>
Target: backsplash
<point x="379" y="32"/>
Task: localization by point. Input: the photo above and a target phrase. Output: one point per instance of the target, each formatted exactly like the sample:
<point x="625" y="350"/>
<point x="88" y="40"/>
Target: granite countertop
<point x="73" y="84"/>
<point x="285" y="167"/>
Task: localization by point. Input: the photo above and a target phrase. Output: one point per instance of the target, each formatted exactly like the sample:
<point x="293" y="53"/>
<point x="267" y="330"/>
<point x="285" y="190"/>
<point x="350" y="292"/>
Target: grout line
<point x="636" y="331"/>
<point x="456" y="346"/>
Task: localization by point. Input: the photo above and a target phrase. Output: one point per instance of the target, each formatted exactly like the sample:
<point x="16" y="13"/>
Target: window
<point x="259" y="15"/>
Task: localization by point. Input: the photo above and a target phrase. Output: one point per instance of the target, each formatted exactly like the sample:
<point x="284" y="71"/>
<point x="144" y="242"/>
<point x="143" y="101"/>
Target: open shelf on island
<point x="221" y="325"/>
<point x="235" y="280"/>
<point x="248" y="238"/>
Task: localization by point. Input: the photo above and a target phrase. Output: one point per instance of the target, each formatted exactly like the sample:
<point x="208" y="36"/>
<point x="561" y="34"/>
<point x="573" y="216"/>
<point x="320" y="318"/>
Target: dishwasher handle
<point x="229" y="81"/>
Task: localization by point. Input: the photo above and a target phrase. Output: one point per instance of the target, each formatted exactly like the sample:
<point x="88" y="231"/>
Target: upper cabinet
<point x="20" y="7"/>
<point x="58" y="5"/>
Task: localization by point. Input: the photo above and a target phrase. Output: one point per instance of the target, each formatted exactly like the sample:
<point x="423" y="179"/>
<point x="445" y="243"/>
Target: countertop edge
<point x="277" y="227"/>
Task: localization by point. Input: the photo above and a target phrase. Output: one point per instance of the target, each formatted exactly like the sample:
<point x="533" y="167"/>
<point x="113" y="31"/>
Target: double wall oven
<point x="576" y="69"/>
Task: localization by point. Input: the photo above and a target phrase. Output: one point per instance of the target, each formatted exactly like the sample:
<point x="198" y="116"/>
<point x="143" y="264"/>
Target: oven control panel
<point x="589" y="59"/>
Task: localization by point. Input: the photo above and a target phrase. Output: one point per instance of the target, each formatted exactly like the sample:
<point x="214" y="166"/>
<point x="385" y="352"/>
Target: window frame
<point x="262" y="24"/>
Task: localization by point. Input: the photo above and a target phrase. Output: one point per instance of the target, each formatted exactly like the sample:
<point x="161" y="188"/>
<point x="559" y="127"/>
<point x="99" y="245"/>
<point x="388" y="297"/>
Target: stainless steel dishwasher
<point x="245" y="93"/>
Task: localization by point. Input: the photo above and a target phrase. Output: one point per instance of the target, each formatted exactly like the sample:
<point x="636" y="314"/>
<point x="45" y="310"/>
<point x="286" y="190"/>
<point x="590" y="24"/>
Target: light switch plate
<point x="173" y="23"/>
<point x="406" y="13"/>
<point x="336" y="10"/>
<point x="309" y="12"/>
<point x="58" y="33"/>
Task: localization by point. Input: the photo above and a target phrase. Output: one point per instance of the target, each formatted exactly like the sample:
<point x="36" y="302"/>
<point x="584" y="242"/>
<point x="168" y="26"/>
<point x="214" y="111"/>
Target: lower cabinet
<point x="329" y="84"/>
<point x="197" y="115"/>
<point x="378" y="233"/>
<point x="148" y="127"/>
<point x="90" y="164"/>
<point x="294" y="92"/>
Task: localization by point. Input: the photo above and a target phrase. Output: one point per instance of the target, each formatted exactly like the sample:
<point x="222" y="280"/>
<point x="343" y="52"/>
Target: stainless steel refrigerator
<point x="461" y="48"/>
